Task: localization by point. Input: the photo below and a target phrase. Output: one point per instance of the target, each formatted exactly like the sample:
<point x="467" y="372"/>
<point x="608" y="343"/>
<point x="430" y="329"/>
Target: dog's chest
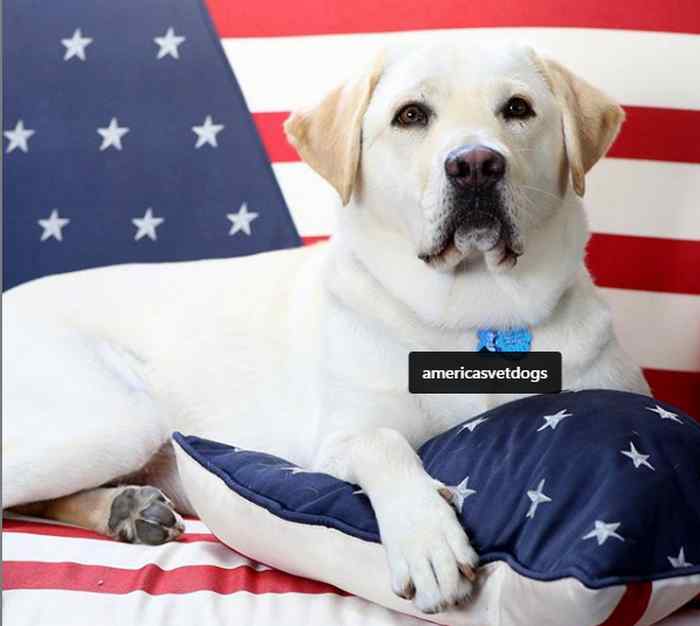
<point x="371" y="358"/>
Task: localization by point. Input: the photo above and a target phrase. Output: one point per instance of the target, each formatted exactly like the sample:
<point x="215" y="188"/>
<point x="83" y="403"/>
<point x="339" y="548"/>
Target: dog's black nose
<point x="475" y="166"/>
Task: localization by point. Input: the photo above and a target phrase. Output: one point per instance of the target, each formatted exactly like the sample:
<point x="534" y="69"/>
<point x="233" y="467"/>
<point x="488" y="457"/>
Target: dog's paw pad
<point x="144" y="515"/>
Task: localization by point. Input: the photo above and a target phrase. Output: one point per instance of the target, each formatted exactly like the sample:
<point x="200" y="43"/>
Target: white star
<point x="664" y="414"/>
<point x="552" y="421"/>
<point x="537" y="497"/>
<point x="147" y="225"/>
<point x="602" y="531"/>
<point x="297" y="470"/>
<point x="470" y="426"/>
<point x="460" y="493"/>
<point x="207" y="132"/>
<point x="53" y="226"/>
<point x="241" y="221"/>
<point x="679" y="561"/>
<point x="112" y="135"/>
<point x="18" y="137"/>
<point x="168" y="44"/>
<point x="75" y="46"/>
<point x="637" y="458"/>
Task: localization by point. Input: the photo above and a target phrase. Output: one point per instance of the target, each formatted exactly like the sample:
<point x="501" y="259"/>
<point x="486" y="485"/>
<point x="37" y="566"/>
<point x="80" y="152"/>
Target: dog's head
<point x="464" y="150"/>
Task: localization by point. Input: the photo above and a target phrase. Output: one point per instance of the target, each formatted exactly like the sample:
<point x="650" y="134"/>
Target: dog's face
<point x="462" y="151"/>
<point x="465" y="148"/>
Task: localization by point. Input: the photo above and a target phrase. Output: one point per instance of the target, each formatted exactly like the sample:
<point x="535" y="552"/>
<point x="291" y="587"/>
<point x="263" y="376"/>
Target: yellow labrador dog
<point x="461" y="172"/>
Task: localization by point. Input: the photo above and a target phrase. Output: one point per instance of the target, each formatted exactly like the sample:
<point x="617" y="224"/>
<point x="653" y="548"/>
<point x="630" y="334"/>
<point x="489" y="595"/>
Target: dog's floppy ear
<point x="328" y="136"/>
<point x="590" y="119"/>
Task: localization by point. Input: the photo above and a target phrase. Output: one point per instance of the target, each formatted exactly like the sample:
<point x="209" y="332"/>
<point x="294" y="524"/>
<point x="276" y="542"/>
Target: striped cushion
<point x="55" y="574"/>
<point x="47" y="561"/>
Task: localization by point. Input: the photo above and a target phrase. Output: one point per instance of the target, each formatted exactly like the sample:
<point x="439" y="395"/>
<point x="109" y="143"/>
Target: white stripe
<point x="667" y="594"/>
<point x="52" y="549"/>
<point x="644" y="198"/>
<point x="69" y="608"/>
<point x="658" y="330"/>
<point x="312" y="202"/>
<point x="196" y="527"/>
<point x="637" y="68"/>
<point x="623" y="197"/>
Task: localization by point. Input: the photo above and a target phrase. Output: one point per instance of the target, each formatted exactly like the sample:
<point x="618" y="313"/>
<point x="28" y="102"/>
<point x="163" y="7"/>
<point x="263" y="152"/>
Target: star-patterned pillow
<point x="584" y="507"/>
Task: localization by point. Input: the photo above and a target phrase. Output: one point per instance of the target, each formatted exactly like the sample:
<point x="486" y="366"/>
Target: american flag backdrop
<point x="127" y="142"/>
<point x="126" y="137"/>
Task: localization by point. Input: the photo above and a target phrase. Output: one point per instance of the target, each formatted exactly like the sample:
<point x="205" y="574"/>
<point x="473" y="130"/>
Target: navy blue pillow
<point x="603" y="486"/>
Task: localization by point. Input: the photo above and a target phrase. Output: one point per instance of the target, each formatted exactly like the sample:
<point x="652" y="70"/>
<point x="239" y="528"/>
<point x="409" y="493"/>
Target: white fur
<point x="303" y="353"/>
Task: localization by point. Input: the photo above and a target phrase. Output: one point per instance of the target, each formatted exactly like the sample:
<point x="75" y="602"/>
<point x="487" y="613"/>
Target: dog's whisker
<point x="557" y="198"/>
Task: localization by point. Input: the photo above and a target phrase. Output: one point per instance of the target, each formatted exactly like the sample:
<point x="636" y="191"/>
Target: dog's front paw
<point x="430" y="558"/>
<point x="144" y="515"/>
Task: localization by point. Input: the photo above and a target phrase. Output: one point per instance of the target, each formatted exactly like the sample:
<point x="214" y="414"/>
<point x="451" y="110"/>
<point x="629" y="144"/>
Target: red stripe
<point x="318" y="17"/>
<point x="309" y="241"/>
<point x="649" y="133"/>
<point x="54" y="530"/>
<point x="644" y="263"/>
<point x="681" y="389"/>
<point x="272" y="134"/>
<point x="631" y="607"/>
<point x="154" y="580"/>
<point x="659" y="134"/>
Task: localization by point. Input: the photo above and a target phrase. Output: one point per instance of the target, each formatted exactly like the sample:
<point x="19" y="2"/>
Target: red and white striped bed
<point x="644" y="210"/>
<point x="56" y="575"/>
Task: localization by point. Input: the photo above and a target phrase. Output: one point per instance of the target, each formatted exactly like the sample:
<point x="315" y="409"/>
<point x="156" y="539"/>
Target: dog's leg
<point x="134" y="514"/>
<point x="430" y="558"/>
<point x="76" y="412"/>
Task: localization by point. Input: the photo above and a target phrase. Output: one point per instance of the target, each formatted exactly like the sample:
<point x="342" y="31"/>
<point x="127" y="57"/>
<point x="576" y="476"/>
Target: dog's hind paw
<point x="144" y="515"/>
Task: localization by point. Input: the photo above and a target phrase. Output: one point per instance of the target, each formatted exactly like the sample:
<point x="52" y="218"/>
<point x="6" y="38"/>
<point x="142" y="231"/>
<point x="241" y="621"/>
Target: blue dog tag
<point x="505" y="340"/>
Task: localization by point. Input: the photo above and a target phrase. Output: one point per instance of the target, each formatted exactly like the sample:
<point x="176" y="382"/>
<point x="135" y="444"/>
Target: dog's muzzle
<point x="478" y="219"/>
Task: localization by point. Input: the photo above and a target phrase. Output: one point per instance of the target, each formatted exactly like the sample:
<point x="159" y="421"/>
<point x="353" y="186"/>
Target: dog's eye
<point x="411" y="115"/>
<point x="517" y="108"/>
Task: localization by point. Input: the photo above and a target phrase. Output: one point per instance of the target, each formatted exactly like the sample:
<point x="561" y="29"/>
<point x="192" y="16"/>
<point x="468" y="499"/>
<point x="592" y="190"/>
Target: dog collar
<point x="504" y="340"/>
